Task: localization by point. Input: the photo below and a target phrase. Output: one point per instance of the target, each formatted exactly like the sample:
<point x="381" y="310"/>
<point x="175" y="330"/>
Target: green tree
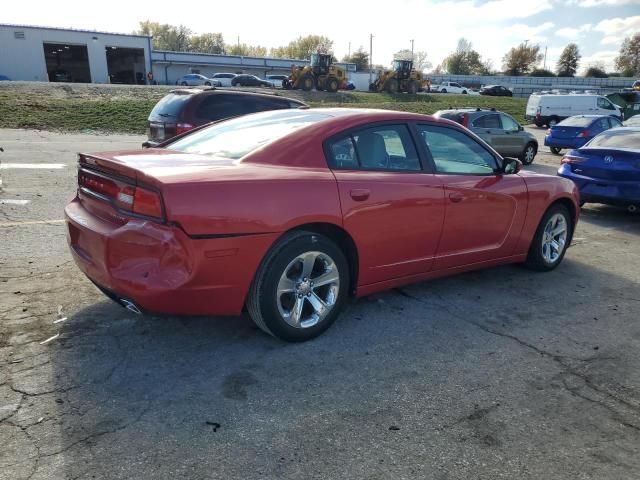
<point x="246" y="50"/>
<point x="521" y="60"/>
<point x="360" y="58"/>
<point x="567" y="65"/>
<point x="596" y="71"/>
<point x="165" y="36"/>
<point x="464" y="61"/>
<point x="303" y="47"/>
<point x="541" y="72"/>
<point x="628" y="60"/>
<point x="207" y="43"/>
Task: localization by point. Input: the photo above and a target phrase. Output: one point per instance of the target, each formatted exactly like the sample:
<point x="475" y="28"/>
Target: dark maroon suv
<point x="186" y="108"/>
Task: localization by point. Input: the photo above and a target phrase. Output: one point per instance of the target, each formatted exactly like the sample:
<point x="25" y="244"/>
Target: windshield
<point x="617" y="138"/>
<point x="240" y="136"/>
<point x="576" y="122"/>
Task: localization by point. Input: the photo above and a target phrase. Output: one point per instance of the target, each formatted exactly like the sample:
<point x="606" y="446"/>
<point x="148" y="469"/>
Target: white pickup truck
<point x="449" y="87"/>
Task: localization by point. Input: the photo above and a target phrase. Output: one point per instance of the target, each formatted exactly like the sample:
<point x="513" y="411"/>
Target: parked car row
<point x="229" y="80"/>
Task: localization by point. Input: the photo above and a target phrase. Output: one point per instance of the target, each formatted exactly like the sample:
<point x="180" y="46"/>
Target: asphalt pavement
<point x="501" y="373"/>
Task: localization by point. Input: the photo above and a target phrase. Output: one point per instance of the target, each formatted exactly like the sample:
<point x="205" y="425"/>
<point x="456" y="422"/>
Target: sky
<point x="492" y="26"/>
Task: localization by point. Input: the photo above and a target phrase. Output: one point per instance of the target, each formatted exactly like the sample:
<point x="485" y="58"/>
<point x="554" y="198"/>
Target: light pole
<point x="411" y="49"/>
<point x="370" y="58"/>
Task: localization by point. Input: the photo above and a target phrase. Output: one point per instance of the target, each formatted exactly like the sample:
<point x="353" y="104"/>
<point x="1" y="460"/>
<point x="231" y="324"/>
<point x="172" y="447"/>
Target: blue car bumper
<point x="595" y="190"/>
<point x="576" y="142"/>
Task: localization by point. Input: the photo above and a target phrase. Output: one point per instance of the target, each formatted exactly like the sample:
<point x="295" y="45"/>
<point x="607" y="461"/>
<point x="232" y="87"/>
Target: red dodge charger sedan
<point x="289" y="213"/>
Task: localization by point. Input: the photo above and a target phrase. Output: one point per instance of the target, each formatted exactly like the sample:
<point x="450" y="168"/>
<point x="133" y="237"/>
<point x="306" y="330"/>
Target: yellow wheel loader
<point x="321" y="74"/>
<point x="401" y="78"/>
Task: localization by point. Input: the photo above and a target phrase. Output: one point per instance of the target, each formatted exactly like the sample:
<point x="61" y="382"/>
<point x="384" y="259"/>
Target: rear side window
<point x="387" y="147"/>
<point x="488" y="121"/>
<point x="217" y="107"/>
<point x="170" y="106"/>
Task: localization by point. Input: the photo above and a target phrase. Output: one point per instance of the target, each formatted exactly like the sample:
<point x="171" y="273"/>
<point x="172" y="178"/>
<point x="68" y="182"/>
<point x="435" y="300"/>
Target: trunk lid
<point x="608" y="164"/>
<point x="563" y="132"/>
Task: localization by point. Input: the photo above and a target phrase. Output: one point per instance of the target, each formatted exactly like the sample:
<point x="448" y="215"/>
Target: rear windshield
<point x="576" y="122"/>
<point x="617" y="138"/>
<point x="170" y="105"/>
<point x="455" y="116"/>
<point x="238" y="137"/>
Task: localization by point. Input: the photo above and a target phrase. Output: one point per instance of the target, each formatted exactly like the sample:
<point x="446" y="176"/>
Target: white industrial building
<point x="64" y="55"/>
<point x="55" y="54"/>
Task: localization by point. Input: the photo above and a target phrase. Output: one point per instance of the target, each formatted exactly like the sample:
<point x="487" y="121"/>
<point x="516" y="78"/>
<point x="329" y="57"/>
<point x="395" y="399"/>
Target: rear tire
<point x="555" y="150"/>
<point x="553" y="121"/>
<point x="283" y="300"/>
<point x="529" y="153"/>
<point x="444" y="90"/>
<point x="207" y="84"/>
<point x="464" y="92"/>
<point x="551" y="239"/>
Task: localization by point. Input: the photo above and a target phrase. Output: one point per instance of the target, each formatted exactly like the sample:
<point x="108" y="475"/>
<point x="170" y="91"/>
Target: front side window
<point x="604" y="103"/>
<point x="454" y="152"/>
<point x="509" y="124"/>
<point x="387" y="147"/>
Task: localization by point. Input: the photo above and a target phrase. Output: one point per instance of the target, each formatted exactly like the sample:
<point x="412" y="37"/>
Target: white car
<point x="450" y="87"/>
<point x="277" y="79"/>
<point x="195" y="79"/>
<point x="224" y="78"/>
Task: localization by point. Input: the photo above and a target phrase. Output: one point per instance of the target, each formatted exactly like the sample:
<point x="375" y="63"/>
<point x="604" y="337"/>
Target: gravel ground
<point x="502" y="373"/>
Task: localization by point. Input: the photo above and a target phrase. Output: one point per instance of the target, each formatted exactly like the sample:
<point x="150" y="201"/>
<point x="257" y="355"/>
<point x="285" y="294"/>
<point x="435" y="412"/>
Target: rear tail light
<point x="465" y="119"/>
<point x="571" y="159"/>
<point x="584" y="134"/>
<point x="183" y="127"/>
<point x="549" y="131"/>
<point x="124" y="196"/>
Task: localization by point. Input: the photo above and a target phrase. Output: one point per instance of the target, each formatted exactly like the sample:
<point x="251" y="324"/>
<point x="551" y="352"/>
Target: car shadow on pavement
<point x="142" y="396"/>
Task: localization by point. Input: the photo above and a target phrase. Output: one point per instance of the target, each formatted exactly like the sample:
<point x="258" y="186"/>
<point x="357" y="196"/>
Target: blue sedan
<point x="607" y="169"/>
<point x="574" y="132"/>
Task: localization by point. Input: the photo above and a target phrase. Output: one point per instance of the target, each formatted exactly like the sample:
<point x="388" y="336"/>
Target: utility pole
<point x="525" y="43"/>
<point x="370" y="58"/>
<point x="545" y="58"/>
<point x="411" y="49"/>
<point x="349" y="54"/>
<point x="238" y="44"/>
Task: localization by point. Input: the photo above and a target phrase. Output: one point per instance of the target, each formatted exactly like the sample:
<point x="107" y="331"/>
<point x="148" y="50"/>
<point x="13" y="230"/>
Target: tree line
<point x="523" y="59"/>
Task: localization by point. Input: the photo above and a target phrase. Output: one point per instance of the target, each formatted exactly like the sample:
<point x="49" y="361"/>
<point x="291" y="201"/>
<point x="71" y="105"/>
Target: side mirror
<point x="511" y="166"/>
<point x="520" y="128"/>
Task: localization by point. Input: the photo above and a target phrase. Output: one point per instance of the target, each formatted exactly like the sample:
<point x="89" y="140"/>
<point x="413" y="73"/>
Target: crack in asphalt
<point x="559" y="359"/>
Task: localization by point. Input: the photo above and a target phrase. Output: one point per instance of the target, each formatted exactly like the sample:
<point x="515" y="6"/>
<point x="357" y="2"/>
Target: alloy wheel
<point x="554" y="238"/>
<point x="308" y="289"/>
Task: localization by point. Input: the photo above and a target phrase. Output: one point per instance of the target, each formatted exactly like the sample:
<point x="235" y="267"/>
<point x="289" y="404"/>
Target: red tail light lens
<point x="183" y="127"/>
<point x="147" y="202"/>
<point x="124" y="196"/>
<point x="549" y="131"/>
<point x="465" y="119"/>
<point x="584" y="134"/>
<point x="571" y="159"/>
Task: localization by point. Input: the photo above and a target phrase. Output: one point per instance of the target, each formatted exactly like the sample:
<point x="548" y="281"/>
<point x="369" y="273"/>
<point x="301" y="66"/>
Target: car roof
<point x="216" y="91"/>
<point x="468" y="110"/>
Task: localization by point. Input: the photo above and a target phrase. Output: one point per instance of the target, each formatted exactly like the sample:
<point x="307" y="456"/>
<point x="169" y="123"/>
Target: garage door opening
<point x="67" y="63"/>
<point x="126" y="65"/>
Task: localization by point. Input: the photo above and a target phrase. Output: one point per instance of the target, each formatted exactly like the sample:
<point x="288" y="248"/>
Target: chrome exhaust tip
<point x="632" y="208"/>
<point x="129" y="305"/>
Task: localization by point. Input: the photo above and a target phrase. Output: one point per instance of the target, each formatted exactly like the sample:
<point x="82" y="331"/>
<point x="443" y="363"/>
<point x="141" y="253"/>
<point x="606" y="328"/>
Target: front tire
<point x="307" y="83"/>
<point x="300" y="287"/>
<point x="332" y="85"/>
<point x="529" y="153"/>
<point x="555" y="150"/>
<point x="551" y="239"/>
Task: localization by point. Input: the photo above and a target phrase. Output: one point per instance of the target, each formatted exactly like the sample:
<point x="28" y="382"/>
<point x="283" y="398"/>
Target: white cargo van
<point x="550" y="109"/>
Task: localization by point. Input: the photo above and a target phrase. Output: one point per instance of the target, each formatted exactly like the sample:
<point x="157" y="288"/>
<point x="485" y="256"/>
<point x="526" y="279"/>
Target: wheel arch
<point x="342" y="238"/>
